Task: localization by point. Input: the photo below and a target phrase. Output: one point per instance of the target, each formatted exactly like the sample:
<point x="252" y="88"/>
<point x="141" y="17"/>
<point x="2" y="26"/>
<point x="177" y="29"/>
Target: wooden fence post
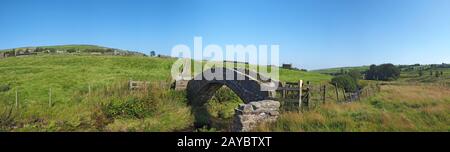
<point x="324" y="93"/>
<point x="337" y="93"/>
<point x="130" y="85"/>
<point x="89" y="87"/>
<point x="343" y="93"/>
<point x="364" y="91"/>
<point x="359" y="94"/>
<point x="300" y="87"/>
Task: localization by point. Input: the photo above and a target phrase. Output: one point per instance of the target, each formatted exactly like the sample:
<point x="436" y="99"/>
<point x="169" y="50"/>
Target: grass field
<point x="411" y="103"/>
<point x="109" y="106"/>
<point x="395" y="108"/>
<point x="69" y="78"/>
<point x="413" y="76"/>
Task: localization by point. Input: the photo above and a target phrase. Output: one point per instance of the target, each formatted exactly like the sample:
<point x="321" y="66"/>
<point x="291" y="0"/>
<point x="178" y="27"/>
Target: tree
<point x="420" y="73"/>
<point x="442" y="73"/>
<point x="431" y="73"/>
<point x="436" y="74"/>
<point x="152" y="53"/>
<point x="346" y="82"/>
<point x="38" y="49"/>
<point x="385" y="72"/>
<point x="355" y="74"/>
<point x="71" y="50"/>
<point x="371" y="73"/>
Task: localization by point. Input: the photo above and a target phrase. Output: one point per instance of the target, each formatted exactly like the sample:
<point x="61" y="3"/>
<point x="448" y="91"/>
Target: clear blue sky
<point x="312" y="34"/>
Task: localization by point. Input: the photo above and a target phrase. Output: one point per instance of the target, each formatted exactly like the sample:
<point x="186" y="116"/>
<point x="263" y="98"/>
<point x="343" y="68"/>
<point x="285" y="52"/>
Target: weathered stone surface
<point x="274" y="113"/>
<point x="246" y="108"/>
<point x="265" y="105"/>
<point x="181" y="84"/>
<point x="248" y="116"/>
<point x="200" y="90"/>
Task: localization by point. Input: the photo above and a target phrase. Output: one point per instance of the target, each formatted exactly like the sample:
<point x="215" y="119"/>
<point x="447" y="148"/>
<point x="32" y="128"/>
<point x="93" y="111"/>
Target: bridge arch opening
<point x="218" y="112"/>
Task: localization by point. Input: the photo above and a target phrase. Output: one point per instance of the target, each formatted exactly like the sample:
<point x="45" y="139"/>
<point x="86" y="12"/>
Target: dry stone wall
<point x="248" y="116"/>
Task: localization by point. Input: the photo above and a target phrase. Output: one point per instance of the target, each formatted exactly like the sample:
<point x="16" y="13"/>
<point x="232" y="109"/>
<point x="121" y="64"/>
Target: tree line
<point x="349" y="81"/>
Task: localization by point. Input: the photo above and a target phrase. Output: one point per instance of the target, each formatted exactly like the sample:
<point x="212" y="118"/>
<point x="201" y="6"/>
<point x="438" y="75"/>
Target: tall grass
<point x="395" y="108"/>
<point x="112" y="108"/>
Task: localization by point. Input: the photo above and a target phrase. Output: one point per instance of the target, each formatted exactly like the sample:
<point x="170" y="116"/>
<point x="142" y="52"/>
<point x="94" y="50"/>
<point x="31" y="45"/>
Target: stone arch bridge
<point x="259" y="105"/>
<point x="200" y="90"/>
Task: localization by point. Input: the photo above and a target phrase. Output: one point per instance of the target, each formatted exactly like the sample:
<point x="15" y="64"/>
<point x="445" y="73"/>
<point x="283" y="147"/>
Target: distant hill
<point x="66" y="49"/>
<point x="403" y="68"/>
<point x="416" y="73"/>
<point x="333" y="71"/>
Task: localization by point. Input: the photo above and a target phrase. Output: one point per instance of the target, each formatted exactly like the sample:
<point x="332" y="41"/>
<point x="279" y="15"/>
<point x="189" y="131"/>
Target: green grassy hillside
<point x="70" y="49"/>
<point x="110" y="106"/>
<point x="428" y="76"/>
<point x="69" y="78"/>
<point x="338" y="70"/>
<point x="68" y="74"/>
<point x="62" y="47"/>
<point x="75" y="46"/>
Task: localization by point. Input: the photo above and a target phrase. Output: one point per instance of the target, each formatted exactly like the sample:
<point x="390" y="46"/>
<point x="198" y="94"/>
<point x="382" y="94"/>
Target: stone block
<point x="249" y="115"/>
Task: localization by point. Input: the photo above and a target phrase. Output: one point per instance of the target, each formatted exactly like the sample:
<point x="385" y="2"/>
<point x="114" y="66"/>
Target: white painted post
<point x="300" y="85"/>
<point x="89" y="87"/>
<point x="130" y="85"/>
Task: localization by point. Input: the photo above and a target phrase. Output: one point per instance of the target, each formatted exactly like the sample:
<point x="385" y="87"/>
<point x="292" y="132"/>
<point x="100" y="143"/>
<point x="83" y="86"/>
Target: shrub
<point x="223" y="102"/>
<point x="4" y="88"/>
<point x="346" y="82"/>
<point x="7" y="119"/>
<point x="71" y="50"/>
<point x="99" y="117"/>
<point x="131" y="108"/>
<point x="355" y="74"/>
